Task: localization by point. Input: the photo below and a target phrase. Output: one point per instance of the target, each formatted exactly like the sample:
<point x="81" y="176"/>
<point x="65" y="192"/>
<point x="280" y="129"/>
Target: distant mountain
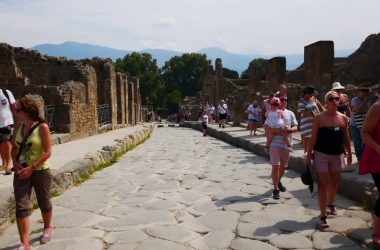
<point x="238" y="62"/>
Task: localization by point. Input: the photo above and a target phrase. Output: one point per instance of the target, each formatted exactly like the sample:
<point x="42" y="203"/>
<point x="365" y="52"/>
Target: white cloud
<point x="164" y="22"/>
<point x="240" y="26"/>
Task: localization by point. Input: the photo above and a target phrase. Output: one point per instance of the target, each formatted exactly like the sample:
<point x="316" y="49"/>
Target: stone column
<point x="318" y="64"/>
<point x="276" y="73"/>
<point x="131" y="98"/>
<point x="126" y="103"/>
<point x="219" y="90"/>
<point x="120" y="99"/>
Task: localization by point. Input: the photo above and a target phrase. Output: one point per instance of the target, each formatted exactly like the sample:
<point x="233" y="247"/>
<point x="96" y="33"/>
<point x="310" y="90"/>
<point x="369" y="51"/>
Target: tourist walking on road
<point x="6" y="128"/>
<point x="309" y="107"/>
<point x="330" y="139"/>
<point x="31" y="149"/>
<point x="204" y="122"/>
<point x="265" y="106"/>
<point x="344" y="101"/>
<point x="360" y="105"/>
<point x="254" y="113"/>
<point x="275" y="119"/>
<point x="370" y="161"/>
<point x="223" y="112"/>
<point x="210" y="111"/>
<point x="279" y="150"/>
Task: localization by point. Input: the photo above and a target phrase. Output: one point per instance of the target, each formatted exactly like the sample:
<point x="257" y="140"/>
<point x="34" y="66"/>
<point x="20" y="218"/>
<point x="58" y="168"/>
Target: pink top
<point x="370" y="160"/>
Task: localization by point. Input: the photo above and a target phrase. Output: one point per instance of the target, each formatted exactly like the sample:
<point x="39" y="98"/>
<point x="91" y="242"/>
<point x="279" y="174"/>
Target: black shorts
<point x="204" y="126"/>
<point x="223" y="116"/>
<point x="6" y="133"/>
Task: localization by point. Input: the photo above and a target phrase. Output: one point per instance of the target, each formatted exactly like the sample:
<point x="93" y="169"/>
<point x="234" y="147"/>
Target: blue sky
<point x="240" y="26"/>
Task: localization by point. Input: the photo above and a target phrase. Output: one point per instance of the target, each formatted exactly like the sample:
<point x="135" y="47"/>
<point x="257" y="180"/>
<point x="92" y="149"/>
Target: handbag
<point x="307" y="178"/>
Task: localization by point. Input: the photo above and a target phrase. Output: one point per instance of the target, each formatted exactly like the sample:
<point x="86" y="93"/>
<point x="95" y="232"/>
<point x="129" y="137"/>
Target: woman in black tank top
<point x="329" y="141"/>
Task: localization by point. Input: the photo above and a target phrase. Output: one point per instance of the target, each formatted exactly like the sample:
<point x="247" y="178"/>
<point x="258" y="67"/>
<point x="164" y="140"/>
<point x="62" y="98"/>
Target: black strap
<point x="7" y="96"/>
<point x="25" y="139"/>
<point x="221" y="105"/>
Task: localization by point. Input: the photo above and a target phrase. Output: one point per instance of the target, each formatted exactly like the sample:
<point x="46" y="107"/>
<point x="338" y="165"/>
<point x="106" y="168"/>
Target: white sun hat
<point x="336" y="85"/>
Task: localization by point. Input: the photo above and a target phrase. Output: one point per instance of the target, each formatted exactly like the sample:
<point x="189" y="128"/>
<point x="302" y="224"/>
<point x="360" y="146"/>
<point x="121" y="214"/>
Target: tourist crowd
<point x="327" y="127"/>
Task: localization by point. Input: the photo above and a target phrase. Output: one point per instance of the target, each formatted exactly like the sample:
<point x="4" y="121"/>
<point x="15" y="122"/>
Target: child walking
<point x="275" y="119"/>
<point x="204" y="122"/>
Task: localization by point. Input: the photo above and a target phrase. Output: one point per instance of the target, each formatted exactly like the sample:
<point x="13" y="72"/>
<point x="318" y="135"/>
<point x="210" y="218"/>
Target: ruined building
<point x="320" y="69"/>
<point x="79" y="96"/>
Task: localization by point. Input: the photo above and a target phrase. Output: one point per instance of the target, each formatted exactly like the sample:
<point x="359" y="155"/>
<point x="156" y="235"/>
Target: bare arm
<point x="369" y="126"/>
<point x="347" y="141"/>
<point x="313" y="139"/>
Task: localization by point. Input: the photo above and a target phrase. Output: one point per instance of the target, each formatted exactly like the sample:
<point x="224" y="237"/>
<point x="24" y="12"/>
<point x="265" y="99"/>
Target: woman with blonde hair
<point x="30" y="151"/>
<point x="329" y="140"/>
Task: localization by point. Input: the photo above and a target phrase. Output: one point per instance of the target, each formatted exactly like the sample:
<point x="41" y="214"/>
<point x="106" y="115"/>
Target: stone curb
<point x="353" y="186"/>
<point x="73" y="172"/>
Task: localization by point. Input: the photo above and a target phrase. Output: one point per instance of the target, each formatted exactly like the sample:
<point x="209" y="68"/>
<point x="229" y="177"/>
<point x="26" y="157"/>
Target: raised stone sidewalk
<point x="72" y="161"/>
<point x="355" y="187"/>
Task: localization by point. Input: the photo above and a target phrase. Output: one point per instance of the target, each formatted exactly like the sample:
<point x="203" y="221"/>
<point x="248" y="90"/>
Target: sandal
<point x="376" y="241"/>
<point x="333" y="209"/>
<point x="323" y="222"/>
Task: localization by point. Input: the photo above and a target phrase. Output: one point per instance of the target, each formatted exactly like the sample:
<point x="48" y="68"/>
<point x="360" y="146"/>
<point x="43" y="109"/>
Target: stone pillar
<point x="318" y="64"/>
<point x="208" y="87"/>
<point x="219" y="94"/>
<point x="120" y="98"/>
<point x="126" y="103"/>
<point x="136" y="92"/>
<point x="276" y="73"/>
<point x="131" y="102"/>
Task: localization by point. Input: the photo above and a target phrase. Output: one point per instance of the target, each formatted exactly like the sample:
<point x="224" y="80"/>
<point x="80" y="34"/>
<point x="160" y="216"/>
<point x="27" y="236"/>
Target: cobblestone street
<point x="180" y="190"/>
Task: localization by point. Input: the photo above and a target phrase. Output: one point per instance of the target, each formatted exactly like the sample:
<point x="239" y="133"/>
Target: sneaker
<point x="23" y="247"/>
<point x="276" y="194"/>
<point x="46" y="237"/>
<point x="281" y="187"/>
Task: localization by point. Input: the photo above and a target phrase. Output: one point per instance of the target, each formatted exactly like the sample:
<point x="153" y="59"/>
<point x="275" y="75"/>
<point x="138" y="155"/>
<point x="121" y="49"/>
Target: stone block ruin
<point x="80" y="96"/>
<point x="320" y="69"/>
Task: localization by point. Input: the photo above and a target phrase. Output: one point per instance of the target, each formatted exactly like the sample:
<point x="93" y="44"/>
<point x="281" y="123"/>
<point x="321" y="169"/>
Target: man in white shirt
<point x="7" y="106"/>
<point x="223" y="112"/>
<point x="210" y="111"/>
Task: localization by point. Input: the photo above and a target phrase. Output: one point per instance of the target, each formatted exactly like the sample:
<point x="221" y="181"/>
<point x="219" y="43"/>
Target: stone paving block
<point x="329" y="240"/>
<point x="163" y="205"/>
<point x="243" y="206"/>
<point x="77" y="244"/>
<point x="182" y="216"/>
<point x="123" y="247"/>
<point x="245" y="244"/>
<point x="230" y="195"/>
<point x="160" y="244"/>
<point x="125" y="237"/>
<point x="285" y="209"/>
<point x="291" y="241"/>
<point x="218" y="239"/>
<point x="77" y="219"/>
<point x="139" y="220"/>
<point x="361" y="235"/>
<point x="174" y="233"/>
<point x="257" y="231"/>
<point x="217" y="220"/>
<point x="345" y="224"/>
<point x="204" y="208"/>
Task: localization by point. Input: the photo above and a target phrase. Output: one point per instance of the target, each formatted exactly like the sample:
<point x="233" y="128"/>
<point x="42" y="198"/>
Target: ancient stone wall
<point x="73" y="88"/>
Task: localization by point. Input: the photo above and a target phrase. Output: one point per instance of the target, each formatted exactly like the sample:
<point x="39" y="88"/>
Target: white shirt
<point x="222" y="108"/>
<point x="210" y="109"/>
<point x="6" y="117"/>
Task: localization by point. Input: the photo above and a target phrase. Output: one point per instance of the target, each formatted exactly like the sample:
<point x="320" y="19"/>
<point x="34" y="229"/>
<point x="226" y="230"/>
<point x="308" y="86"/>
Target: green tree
<point x="229" y="73"/>
<point x="261" y="64"/>
<point x="184" y="73"/>
<point x="173" y="101"/>
<point x="143" y="66"/>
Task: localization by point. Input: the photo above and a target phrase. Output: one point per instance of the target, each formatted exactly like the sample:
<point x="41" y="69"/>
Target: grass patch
<point x="54" y="194"/>
<point x="40" y="230"/>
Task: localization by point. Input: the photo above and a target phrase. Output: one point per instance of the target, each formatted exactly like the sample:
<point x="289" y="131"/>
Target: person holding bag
<point x="30" y="151"/>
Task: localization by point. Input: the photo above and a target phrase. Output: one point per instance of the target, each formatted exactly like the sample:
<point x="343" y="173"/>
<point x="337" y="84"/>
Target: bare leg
<point x="5" y="152"/>
<point x="323" y="183"/>
<point x="46" y="217"/>
<point x="332" y="186"/>
<point x="23" y="230"/>
<point x="276" y="176"/>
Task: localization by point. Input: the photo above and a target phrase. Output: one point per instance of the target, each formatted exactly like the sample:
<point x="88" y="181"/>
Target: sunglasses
<point x="283" y="99"/>
<point x="333" y="98"/>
